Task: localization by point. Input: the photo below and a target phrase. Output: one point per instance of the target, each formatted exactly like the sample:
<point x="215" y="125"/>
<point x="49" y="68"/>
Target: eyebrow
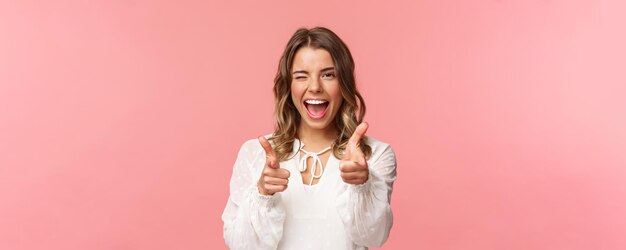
<point x="306" y="72"/>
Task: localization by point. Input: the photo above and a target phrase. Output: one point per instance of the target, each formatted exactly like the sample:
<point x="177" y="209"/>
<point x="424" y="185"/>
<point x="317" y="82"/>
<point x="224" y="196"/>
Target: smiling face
<point x="315" y="88"/>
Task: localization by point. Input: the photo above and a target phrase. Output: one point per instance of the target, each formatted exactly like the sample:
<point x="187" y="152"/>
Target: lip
<point x="312" y="116"/>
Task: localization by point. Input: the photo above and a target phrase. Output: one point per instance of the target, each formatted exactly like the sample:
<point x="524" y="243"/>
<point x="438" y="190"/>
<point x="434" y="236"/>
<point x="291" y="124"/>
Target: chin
<point x="318" y="126"/>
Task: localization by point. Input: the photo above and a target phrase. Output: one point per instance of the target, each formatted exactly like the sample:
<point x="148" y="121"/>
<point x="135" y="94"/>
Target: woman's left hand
<point x="353" y="166"/>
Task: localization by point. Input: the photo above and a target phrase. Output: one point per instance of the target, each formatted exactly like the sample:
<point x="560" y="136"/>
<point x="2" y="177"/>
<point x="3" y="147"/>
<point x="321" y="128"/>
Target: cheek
<point x="297" y="89"/>
<point x="294" y="90"/>
<point x="296" y="93"/>
<point x="335" y="94"/>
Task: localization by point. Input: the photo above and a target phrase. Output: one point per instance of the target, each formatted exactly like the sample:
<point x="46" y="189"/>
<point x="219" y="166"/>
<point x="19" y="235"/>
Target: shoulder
<point x="251" y="146"/>
<point x="376" y="144"/>
<point x="380" y="150"/>
<point x="378" y="147"/>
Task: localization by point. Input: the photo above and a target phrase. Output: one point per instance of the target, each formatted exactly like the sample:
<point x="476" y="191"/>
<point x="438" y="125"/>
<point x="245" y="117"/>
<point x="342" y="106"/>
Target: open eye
<point x="328" y="75"/>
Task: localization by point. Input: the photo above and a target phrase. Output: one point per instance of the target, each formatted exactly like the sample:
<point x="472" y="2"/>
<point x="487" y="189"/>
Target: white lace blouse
<point x="328" y="215"/>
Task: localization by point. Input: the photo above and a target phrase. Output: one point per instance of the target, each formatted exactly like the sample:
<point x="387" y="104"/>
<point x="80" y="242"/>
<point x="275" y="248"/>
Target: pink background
<point x="120" y="120"/>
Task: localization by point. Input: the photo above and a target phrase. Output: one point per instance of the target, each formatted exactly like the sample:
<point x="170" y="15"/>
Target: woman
<point x="317" y="182"/>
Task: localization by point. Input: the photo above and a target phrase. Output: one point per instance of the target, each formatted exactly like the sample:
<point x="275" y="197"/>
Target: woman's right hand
<point x="273" y="178"/>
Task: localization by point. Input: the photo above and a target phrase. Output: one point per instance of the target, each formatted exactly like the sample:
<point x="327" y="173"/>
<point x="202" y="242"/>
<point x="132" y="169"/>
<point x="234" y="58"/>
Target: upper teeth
<point x="315" y="101"/>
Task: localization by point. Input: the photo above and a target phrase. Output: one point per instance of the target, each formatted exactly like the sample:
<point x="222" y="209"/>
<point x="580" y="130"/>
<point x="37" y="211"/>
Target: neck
<point x="317" y="138"/>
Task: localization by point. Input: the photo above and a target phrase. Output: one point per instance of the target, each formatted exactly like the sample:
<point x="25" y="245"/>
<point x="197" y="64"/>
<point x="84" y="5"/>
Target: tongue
<point x="317" y="109"/>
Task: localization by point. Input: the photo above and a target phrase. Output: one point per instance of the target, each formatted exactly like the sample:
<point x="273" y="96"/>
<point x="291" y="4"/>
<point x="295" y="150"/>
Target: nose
<point x="315" y="86"/>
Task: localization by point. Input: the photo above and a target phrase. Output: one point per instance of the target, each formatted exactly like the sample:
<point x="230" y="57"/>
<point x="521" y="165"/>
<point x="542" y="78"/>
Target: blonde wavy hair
<point x="351" y="111"/>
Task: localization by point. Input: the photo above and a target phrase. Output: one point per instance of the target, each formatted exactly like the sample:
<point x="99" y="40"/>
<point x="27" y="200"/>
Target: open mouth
<point x="316" y="108"/>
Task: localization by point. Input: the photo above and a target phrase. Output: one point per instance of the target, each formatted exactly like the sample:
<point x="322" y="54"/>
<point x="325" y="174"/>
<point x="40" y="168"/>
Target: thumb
<point x="269" y="152"/>
<point x="355" y="140"/>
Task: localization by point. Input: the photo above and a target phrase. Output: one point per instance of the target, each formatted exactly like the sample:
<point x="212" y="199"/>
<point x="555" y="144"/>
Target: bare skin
<point x="306" y="175"/>
<point x="314" y="77"/>
<point x="315" y="141"/>
<point x="353" y="166"/>
<point x="273" y="178"/>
